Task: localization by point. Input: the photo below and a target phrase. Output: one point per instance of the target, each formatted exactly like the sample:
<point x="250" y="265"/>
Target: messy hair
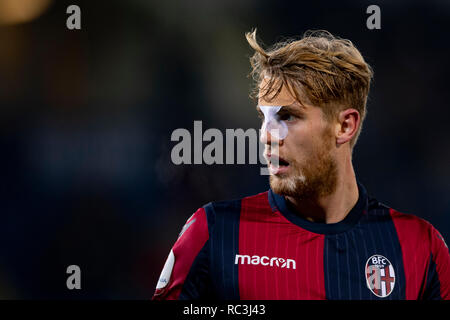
<point x="330" y="72"/>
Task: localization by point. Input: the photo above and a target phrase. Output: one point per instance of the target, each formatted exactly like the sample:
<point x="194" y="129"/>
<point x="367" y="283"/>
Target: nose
<point x="263" y="136"/>
<point x="266" y="138"/>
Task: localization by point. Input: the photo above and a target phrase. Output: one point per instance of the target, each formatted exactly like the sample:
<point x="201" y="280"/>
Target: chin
<point x="302" y="187"/>
<point x="287" y="185"/>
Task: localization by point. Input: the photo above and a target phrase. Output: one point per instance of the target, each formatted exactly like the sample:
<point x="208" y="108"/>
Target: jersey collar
<point x="278" y="203"/>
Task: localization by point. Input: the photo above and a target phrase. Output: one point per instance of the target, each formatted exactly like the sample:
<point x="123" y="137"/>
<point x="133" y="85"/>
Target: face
<point x="307" y="167"/>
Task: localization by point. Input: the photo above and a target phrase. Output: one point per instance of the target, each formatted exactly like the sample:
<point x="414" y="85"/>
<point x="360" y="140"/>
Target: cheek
<point x="300" y="136"/>
<point x="306" y="142"/>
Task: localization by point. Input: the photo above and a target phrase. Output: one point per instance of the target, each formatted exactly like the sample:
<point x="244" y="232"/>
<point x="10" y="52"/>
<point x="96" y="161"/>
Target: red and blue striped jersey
<point x="257" y="248"/>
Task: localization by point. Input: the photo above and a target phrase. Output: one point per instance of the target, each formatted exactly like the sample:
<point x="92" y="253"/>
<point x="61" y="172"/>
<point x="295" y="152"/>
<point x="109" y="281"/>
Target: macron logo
<point x="265" y="261"/>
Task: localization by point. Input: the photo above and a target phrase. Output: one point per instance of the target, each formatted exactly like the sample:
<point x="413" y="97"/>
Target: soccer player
<point x="316" y="233"/>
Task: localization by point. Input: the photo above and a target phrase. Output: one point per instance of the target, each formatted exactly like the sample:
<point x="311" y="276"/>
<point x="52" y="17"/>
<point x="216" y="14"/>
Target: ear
<point x="347" y="125"/>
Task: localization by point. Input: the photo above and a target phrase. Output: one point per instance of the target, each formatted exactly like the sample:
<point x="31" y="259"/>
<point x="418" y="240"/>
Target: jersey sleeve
<point x="185" y="275"/>
<point x="438" y="274"/>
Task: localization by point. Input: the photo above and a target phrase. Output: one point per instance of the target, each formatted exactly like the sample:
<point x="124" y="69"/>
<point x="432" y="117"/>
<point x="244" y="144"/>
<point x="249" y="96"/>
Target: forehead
<point x="284" y="97"/>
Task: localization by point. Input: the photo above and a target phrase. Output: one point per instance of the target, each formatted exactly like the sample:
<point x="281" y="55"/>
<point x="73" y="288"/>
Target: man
<point x="316" y="234"/>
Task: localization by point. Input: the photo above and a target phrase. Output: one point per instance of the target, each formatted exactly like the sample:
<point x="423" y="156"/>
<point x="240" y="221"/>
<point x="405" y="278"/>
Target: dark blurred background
<point x="87" y="116"/>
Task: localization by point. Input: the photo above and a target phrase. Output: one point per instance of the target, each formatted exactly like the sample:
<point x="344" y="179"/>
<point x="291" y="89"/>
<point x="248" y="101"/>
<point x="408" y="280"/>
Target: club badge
<point x="380" y="276"/>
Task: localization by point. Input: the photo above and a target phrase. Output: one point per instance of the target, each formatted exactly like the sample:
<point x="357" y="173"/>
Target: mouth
<point x="277" y="165"/>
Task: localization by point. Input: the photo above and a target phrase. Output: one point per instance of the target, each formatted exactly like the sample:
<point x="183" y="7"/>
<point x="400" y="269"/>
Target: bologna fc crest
<point x="380" y="276"/>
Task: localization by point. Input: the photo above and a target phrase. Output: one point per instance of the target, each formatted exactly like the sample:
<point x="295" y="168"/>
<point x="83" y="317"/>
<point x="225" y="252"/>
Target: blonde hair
<point x="329" y="71"/>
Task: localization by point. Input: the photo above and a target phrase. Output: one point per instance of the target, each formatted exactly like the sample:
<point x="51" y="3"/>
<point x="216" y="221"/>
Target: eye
<point x="287" y="117"/>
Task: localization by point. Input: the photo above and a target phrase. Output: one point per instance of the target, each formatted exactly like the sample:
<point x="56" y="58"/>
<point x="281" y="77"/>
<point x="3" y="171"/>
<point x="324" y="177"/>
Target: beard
<point x="314" y="177"/>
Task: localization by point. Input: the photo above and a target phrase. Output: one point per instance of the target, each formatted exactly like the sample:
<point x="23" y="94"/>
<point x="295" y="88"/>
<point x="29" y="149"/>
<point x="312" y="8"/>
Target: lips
<point x="277" y="165"/>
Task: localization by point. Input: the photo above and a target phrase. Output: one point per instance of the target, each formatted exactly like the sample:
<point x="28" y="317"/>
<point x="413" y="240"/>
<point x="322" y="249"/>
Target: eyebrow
<point x="295" y="109"/>
<point x="292" y="108"/>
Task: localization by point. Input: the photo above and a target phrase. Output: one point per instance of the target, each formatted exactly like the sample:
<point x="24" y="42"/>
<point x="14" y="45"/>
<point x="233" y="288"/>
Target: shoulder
<point x="409" y="227"/>
<point x="411" y="224"/>
<point x="401" y="219"/>
<point x="231" y="209"/>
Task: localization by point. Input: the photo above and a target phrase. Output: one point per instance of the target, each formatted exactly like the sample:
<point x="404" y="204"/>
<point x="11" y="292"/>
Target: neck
<point x="334" y="207"/>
